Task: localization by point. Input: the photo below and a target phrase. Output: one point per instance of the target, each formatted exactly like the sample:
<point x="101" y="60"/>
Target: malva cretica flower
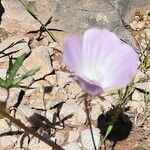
<point x="100" y="61"/>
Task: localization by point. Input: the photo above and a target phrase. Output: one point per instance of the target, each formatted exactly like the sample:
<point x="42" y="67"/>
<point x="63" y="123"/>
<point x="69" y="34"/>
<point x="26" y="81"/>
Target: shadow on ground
<point x="121" y="129"/>
<point x="1" y="11"/>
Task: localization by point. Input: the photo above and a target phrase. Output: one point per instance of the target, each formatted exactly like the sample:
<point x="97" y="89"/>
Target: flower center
<point x="95" y="76"/>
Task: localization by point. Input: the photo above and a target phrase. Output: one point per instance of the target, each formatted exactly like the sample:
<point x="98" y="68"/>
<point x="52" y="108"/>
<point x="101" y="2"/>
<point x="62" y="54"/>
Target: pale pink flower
<point x="100" y="61"/>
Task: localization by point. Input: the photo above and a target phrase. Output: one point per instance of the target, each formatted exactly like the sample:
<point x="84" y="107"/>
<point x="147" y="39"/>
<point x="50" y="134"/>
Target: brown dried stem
<point x="30" y="131"/>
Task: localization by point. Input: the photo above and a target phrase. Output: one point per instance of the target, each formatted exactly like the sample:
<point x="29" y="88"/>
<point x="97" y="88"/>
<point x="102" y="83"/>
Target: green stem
<point x="117" y="112"/>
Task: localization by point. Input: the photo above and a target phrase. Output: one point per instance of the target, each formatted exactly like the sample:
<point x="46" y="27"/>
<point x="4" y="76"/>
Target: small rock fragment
<point x="52" y="79"/>
<point x="138" y="106"/>
<point x="3" y="73"/>
<point x="22" y="142"/>
<point x="36" y="145"/>
<point x="3" y="95"/>
<point x="62" y="79"/>
<point x="139" y="75"/>
<point x="95" y="109"/>
<point x="13" y="96"/>
<point x="4" y="127"/>
<point x="73" y="89"/>
<point x="23" y="113"/>
<point x="72" y="146"/>
<point x="73" y="136"/>
<point x="143" y="86"/>
<point x="138" y="96"/>
<point x="55" y="97"/>
<point x="60" y="137"/>
<point x="133" y="25"/>
<point x="39" y="58"/>
<point x="9" y="140"/>
<point x="86" y="138"/>
<point x="74" y="114"/>
<point x="21" y="47"/>
<point x="140" y="25"/>
<point x="56" y="65"/>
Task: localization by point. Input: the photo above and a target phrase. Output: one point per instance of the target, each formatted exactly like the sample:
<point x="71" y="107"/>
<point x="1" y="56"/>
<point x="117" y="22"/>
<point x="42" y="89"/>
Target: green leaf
<point x="3" y="83"/>
<point x="28" y="8"/>
<point x="15" y="68"/>
<point x="147" y="61"/>
<point x="28" y="74"/>
<point x="140" y="148"/>
<point x="109" y="129"/>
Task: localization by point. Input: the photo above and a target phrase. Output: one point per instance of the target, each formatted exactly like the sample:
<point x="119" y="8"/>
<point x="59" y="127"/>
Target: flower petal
<point x="119" y="67"/>
<point x="72" y="53"/>
<point x="88" y="86"/>
<point x="97" y="45"/>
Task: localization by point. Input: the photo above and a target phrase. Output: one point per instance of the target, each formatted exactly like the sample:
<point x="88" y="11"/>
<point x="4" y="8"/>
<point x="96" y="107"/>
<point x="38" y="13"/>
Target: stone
<point x="3" y="73"/>
<point x="63" y="79"/>
<point x="95" y="109"/>
<point x="134" y="25"/>
<point x="12" y="98"/>
<point x="4" y="127"/>
<point x="138" y="106"/>
<point x="21" y="47"/>
<point x="56" y="96"/>
<point x="139" y="75"/>
<point x="86" y="138"/>
<point x="22" y="142"/>
<point x="50" y="115"/>
<point x="39" y="85"/>
<point x="140" y="25"/>
<point x="138" y="102"/>
<point x="72" y="146"/>
<point x="3" y="95"/>
<point x="3" y="34"/>
<point x="105" y="105"/>
<point x="39" y="58"/>
<point x="36" y="100"/>
<point x="60" y="137"/>
<point x="75" y="111"/>
<point x="73" y="136"/>
<point x="145" y="86"/>
<point x="23" y="113"/>
<point x="52" y="79"/>
<point x="9" y="140"/>
<point x="36" y="145"/>
<point x="73" y="89"/>
<point x="56" y="46"/>
<point x="56" y="65"/>
<point x="27" y="81"/>
<point x="17" y="21"/>
<point x="137" y="96"/>
<point x="96" y="13"/>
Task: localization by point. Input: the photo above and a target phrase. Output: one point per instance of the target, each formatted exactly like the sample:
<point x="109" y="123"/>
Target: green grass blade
<point x="28" y="74"/>
<point x="109" y="129"/>
<point x="30" y="11"/>
<point x="15" y="68"/>
<point x="28" y="8"/>
<point x="3" y="83"/>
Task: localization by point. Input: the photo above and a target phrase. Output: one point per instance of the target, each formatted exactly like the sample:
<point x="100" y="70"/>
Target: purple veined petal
<point x="97" y="45"/>
<point x="72" y="54"/>
<point x="101" y="62"/>
<point x="88" y="86"/>
<point x="119" y="67"/>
